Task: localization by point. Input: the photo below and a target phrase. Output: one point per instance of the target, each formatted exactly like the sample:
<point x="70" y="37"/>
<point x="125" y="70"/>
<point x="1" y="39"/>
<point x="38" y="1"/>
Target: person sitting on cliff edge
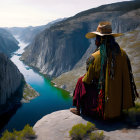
<point x="108" y="86"/>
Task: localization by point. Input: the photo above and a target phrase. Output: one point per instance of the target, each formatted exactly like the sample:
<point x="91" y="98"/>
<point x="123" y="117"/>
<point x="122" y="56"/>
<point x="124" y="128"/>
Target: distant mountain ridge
<point x="61" y="47"/>
<point x="27" y="34"/>
<point x="8" y="44"/>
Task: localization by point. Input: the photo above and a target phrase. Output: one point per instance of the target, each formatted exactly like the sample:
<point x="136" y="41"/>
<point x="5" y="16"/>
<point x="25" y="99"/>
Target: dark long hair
<point x="109" y="41"/>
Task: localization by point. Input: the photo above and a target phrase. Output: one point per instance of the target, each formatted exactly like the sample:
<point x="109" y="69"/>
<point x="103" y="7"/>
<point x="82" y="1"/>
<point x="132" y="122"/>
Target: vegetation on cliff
<point x="26" y="133"/>
<point x="82" y="131"/>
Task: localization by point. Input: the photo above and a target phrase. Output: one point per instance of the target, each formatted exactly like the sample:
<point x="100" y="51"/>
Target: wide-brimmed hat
<point x="104" y="28"/>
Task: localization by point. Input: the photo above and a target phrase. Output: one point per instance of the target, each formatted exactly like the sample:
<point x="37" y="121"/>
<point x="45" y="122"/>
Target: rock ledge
<point x="56" y="126"/>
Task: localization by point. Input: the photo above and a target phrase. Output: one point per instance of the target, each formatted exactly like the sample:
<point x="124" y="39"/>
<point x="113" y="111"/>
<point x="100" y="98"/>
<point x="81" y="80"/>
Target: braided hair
<point x="108" y="47"/>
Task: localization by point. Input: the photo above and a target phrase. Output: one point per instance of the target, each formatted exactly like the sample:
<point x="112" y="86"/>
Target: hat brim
<point x="93" y="34"/>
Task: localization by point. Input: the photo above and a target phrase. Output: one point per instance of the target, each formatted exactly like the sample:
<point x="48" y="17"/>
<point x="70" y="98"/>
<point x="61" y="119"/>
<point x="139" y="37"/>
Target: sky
<point x="22" y="13"/>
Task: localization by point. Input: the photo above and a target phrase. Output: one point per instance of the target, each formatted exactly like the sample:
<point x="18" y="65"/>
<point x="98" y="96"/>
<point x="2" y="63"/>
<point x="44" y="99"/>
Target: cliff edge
<point x="56" y="126"/>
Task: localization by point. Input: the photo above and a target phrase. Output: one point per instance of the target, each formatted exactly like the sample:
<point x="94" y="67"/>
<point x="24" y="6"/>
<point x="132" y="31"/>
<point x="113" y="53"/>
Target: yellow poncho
<point x="117" y="90"/>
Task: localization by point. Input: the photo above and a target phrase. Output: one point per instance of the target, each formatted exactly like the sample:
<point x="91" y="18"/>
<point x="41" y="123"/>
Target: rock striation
<point x="63" y="46"/>
<point x="10" y="79"/>
<point x="8" y="44"/>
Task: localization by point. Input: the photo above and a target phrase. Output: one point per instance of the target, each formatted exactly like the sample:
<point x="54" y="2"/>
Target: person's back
<point x="118" y="93"/>
<point x="110" y="68"/>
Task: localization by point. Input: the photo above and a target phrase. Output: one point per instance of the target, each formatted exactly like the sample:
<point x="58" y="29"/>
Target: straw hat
<point x="104" y="28"/>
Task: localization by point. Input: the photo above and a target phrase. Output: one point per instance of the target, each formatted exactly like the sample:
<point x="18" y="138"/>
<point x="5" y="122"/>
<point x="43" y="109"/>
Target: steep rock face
<point x="54" y="51"/>
<point x="60" y="48"/>
<point x="10" y="78"/>
<point x="8" y="44"/>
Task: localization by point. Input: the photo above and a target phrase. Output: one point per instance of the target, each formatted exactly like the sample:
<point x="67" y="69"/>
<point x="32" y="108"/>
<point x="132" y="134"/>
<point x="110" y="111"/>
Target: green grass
<point x="26" y="133"/>
<point x="81" y="131"/>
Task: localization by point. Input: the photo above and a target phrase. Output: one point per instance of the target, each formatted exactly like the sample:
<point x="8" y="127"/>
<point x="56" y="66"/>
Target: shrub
<point x="97" y="135"/>
<point x="27" y="132"/>
<point x="8" y="136"/>
<point x="90" y="127"/>
<point x="80" y="131"/>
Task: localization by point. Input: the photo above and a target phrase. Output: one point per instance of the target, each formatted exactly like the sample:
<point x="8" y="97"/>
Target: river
<point x="51" y="98"/>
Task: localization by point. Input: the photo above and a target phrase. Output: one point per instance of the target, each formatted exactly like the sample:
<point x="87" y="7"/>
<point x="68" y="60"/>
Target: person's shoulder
<point x="95" y="54"/>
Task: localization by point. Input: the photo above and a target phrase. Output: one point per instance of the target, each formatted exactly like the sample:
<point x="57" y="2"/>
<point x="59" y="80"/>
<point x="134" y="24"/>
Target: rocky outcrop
<point x="8" y="44"/>
<point x="60" y="48"/>
<point x="56" y="126"/>
<point x="10" y="79"/>
<point x="129" y="42"/>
